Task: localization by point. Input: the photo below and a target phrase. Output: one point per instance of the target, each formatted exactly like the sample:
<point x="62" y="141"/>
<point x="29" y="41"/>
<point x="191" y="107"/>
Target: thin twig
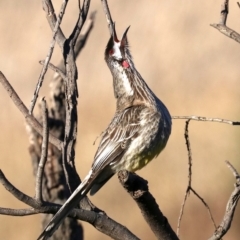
<point x="31" y="120"/>
<point x="17" y="193"/>
<point x="221" y="26"/>
<point x="206" y="205"/>
<point x="48" y="57"/>
<point x="108" y="15"/>
<point x="234" y="171"/>
<point x="137" y="187"/>
<point x="19" y="212"/>
<point x="56" y="69"/>
<point x="186" y="136"/>
<point x="206" y="119"/>
<point x="189" y="187"/>
<point x="81" y="20"/>
<point x="224" y="12"/>
<point x="52" y="20"/>
<point x="42" y="162"/>
<point x="230" y="208"/>
<point x="83" y="36"/>
<point x="79" y="5"/>
<point x="227" y="31"/>
<point x="182" y="211"/>
<point x="81" y="41"/>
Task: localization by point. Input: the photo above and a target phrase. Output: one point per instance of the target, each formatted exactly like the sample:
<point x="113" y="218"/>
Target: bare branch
<point x="31" y="120"/>
<point x="81" y="20"/>
<point x="99" y="220"/>
<point x="230" y="208"/>
<point x="56" y="69"/>
<point x="227" y="31"/>
<point x="42" y="162"/>
<point x="70" y="134"/>
<point x="182" y="211"/>
<point x="16" y="193"/>
<point x="189" y="187"/>
<point x="52" y="20"/>
<point x="18" y="212"/>
<point x="83" y="36"/>
<point x="108" y="15"/>
<point x="205" y="119"/>
<point x="224" y="12"/>
<point x="234" y="171"/>
<point x="137" y="187"/>
<point x="221" y="26"/>
<point x="186" y="136"/>
<point x="206" y="205"/>
<point x="78" y="47"/>
<point x="48" y="57"/>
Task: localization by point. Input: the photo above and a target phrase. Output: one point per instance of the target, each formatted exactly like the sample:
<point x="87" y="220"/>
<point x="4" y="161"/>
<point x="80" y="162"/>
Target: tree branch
<point x="42" y="162"/>
<point x="48" y="57"/>
<point x="137" y="187"/>
<point x="221" y="26"/>
<point x="206" y="119"/>
<point x="56" y="69"/>
<point x="17" y="193"/>
<point x="230" y="208"/>
<point x="100" y="220"/>
<point x="70" y="133"/>
<point x="108" y="15"/>
<point x="80" y="22"/>
<point x="224" y="12"/>
<point x="19" y="212"/>
<point x="52" y="20"/>
<point x="81" y="41"/>
<point x="189" y="186"/>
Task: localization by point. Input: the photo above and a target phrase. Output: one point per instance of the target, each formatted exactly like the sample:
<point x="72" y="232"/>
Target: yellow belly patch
<point x="138" y="162"/>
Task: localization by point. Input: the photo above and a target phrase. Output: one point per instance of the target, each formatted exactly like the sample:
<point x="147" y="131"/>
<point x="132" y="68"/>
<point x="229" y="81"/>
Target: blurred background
<point x="191" y="67"/>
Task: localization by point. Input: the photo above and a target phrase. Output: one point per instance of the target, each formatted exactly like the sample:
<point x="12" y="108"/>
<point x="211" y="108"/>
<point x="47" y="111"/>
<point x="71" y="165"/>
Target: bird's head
<point x="117" y="50"/>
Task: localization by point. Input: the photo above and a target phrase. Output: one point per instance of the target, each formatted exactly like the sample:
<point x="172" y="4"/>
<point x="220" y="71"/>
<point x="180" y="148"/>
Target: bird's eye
<point x="111" y="52"/>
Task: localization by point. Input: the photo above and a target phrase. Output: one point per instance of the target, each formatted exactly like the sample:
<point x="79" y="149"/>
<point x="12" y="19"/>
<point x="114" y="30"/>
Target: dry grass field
<point x="191" y="67"/>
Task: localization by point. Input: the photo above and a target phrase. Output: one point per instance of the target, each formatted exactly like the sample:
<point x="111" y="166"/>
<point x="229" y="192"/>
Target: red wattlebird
<point x="138" y="132"/>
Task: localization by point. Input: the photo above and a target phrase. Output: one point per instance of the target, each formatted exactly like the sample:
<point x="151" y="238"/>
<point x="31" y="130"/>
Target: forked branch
<point x="230" y="208"/>
<point x="221" y="26"/>
<point x="137" y="187"/>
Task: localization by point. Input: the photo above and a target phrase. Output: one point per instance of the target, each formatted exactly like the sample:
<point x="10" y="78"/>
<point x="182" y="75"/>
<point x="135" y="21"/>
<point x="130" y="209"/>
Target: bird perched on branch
<point x="138" y="132"/>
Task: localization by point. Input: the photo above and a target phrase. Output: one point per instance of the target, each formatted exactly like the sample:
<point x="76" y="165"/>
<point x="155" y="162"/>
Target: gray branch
<point x="137" y="187"/>
<point x="222" y="27"/>
<point x="230" y="208"/>
<point x="207" y="119"/>
<point x="48" y="57"/>
<point x="42" y="162"/>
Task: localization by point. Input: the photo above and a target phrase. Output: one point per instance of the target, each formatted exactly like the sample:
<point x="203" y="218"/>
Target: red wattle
<point x="125" y="64"/>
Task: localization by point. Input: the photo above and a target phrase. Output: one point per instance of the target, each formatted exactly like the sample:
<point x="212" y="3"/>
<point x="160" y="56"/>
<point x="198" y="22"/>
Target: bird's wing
<point x="115" y="141"/>
<point x="121" y="131"/>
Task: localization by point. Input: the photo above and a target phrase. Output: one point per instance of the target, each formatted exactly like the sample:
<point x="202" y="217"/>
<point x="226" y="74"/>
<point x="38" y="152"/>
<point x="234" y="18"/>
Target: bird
<point x="138" y="132"/>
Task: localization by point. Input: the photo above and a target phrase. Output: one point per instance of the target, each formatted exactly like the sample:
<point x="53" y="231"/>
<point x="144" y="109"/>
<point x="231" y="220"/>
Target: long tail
<point x="72" y="202"/>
